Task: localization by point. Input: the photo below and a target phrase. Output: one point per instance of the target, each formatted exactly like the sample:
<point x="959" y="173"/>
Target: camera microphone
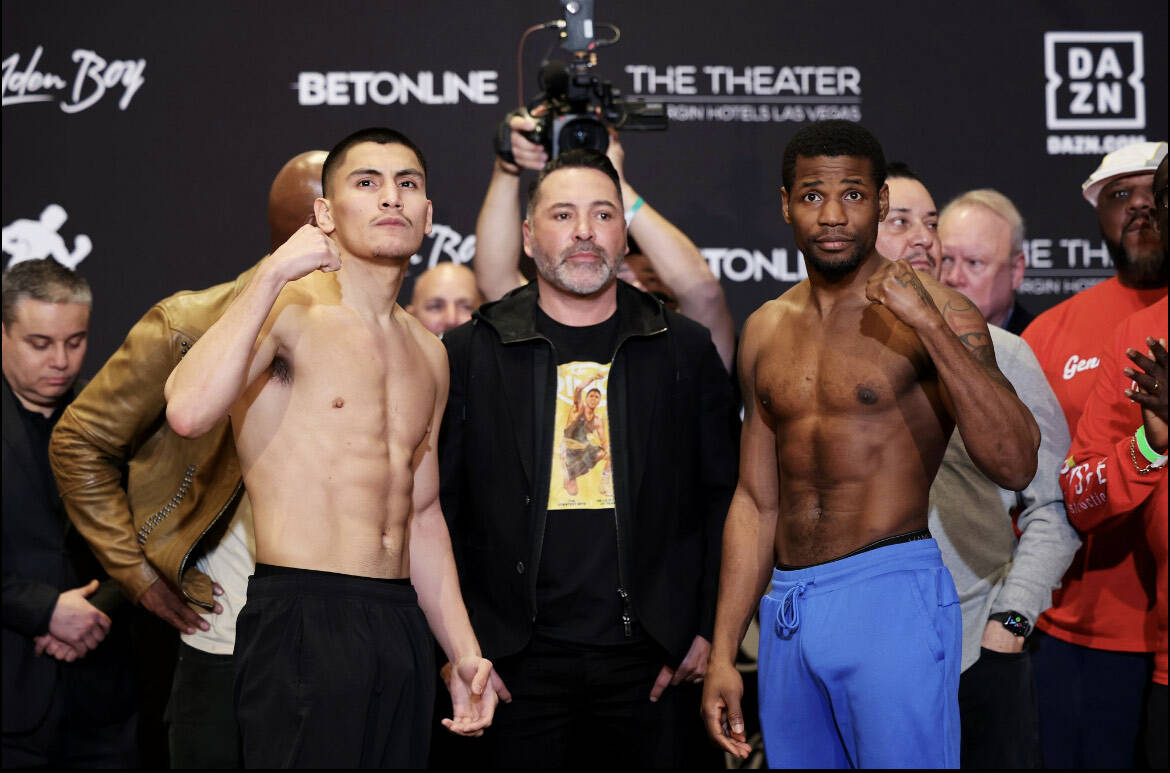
<point x="553" y="79"/>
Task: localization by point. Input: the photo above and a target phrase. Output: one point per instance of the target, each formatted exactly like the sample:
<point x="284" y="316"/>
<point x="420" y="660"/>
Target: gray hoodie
<point x="971" y="521"/>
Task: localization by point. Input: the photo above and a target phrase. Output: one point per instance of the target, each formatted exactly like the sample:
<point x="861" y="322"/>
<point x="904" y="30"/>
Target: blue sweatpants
<point x="859" y="662"/>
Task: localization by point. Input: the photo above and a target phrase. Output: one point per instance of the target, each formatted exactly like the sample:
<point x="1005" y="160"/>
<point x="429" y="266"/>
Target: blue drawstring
<point x="788" y="615"/>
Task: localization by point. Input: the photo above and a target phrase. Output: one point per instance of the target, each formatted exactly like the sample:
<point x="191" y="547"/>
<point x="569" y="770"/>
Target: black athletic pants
<point x="201" y="715"/>
<point x="332" y="671"/>
<point x="997" y="708"/>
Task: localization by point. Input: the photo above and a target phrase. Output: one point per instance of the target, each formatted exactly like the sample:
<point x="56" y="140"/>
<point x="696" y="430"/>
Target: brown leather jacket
<point x="176" y="488"/>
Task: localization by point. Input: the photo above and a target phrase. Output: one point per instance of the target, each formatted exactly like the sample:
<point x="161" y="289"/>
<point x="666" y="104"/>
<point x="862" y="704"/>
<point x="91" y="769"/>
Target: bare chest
<point x="345" y="374"/>
<point x="853" y="364"/>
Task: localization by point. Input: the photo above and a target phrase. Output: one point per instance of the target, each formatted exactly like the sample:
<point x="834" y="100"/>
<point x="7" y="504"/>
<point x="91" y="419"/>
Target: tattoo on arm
<point x="966" y="322"/>
<point x="979" y="344"/>
<point x="959" y="306"/>
<point x="969" y="327"/>
<point x="906" y="278"/>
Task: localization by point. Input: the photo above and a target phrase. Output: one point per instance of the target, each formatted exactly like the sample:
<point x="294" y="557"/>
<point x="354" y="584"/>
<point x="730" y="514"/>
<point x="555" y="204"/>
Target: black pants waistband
<point x="895" y="539"/>
<point x="271" y="570"/>
<point x="285" y="582"/>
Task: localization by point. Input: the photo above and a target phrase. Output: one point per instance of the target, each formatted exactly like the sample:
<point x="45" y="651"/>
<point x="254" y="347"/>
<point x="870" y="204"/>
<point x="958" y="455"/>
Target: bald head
<point x="444" y="297"/>
<point x="290" y="200"/>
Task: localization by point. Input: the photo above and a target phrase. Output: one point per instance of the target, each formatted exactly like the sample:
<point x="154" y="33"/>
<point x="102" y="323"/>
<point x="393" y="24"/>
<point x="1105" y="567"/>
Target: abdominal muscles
<point x="330" y="486"/>
<point x="846" y="481"/>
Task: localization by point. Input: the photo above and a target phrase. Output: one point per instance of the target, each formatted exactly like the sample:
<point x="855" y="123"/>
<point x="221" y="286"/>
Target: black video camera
<point x="575" y="105"/>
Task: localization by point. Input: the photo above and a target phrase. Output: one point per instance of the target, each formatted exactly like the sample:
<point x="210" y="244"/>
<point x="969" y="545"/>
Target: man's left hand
<point x="472" y="686"/>
<point x="897" y="287"/>
<point x="1000" y="639"/>
<point x="691" y="669"/>
<point x="1152" y="393"/>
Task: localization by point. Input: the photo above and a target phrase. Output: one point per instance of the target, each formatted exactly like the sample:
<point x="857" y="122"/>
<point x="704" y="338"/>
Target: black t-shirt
<point x="577" y="596"/>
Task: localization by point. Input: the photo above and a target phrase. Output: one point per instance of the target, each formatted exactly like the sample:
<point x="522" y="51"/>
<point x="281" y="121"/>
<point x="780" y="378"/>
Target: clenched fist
<point x="309" y="249"/>
<point x="897" y="287"/>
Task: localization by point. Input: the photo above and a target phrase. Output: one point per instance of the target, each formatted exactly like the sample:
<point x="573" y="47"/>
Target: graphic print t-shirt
<point x="577" y="588"/>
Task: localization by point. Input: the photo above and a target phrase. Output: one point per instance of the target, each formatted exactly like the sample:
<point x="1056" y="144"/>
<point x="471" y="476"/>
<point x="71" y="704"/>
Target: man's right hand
<point x="48" y="644"/>
<point x="722" y="712"/>
<point x="161" y="599"/>
<point x="306" y="251"/>
<point x="78" y="623"/>
<point x="527" y="153"/>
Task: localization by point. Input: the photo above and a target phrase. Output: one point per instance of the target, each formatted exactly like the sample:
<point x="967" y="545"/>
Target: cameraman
<point x="670" y="253"/>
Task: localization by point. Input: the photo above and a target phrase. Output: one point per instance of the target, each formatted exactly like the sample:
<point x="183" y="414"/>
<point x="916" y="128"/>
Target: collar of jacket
<point x="513" y="317"/>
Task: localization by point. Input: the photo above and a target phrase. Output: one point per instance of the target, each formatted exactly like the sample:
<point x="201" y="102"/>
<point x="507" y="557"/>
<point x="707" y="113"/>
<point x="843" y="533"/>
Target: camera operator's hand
<point x="616" y="154"/>
<point x="498" y="243"/>
<point x="527" y="153"/>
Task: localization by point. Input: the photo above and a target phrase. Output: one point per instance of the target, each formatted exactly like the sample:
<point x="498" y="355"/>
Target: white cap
<point x="1138" y="157"/>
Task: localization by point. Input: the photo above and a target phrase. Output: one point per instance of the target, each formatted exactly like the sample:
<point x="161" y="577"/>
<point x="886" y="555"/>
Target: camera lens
<point x="585" y="132"/>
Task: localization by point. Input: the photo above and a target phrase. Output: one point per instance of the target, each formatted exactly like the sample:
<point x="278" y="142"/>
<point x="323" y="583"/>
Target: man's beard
<point x="836" y="270"/>
<point x="1144" y="268"/>
<point x="579" y="279"/>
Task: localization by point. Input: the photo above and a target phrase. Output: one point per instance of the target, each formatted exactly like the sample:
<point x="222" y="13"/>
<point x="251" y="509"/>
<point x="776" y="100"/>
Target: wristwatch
<point x="1016" y="623"/>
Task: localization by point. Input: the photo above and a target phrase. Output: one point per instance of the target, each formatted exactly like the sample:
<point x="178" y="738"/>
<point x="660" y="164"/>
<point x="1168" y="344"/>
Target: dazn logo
<point x="1095" y="80"/>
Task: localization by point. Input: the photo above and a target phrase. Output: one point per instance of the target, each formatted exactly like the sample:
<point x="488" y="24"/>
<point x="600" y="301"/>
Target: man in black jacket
<point x="588" y="458"/>
<point x="68" y="686"/>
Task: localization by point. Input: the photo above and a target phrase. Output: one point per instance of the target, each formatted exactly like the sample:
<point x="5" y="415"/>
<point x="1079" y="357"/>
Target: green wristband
<point x="633" y="210"/>
<point x="1152" y="456"/>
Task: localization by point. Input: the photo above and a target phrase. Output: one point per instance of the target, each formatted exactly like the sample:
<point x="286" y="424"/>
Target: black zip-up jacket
<point x="673" y="437"/>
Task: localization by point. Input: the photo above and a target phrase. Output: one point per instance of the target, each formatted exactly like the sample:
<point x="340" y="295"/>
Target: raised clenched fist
<point x="897" y="286"/>
<point x="309" y="249"/>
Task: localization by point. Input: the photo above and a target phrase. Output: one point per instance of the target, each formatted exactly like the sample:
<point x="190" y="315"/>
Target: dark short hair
<point x="378" y="134"/>
<point x="900" y="170"/>
<point x="834" y="138"/>
<point x="43" y="280"/>
<point x="581" y="158"/>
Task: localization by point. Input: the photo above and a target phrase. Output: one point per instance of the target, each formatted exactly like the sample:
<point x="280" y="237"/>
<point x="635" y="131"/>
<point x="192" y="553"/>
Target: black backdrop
<point x="156" y="128"/>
